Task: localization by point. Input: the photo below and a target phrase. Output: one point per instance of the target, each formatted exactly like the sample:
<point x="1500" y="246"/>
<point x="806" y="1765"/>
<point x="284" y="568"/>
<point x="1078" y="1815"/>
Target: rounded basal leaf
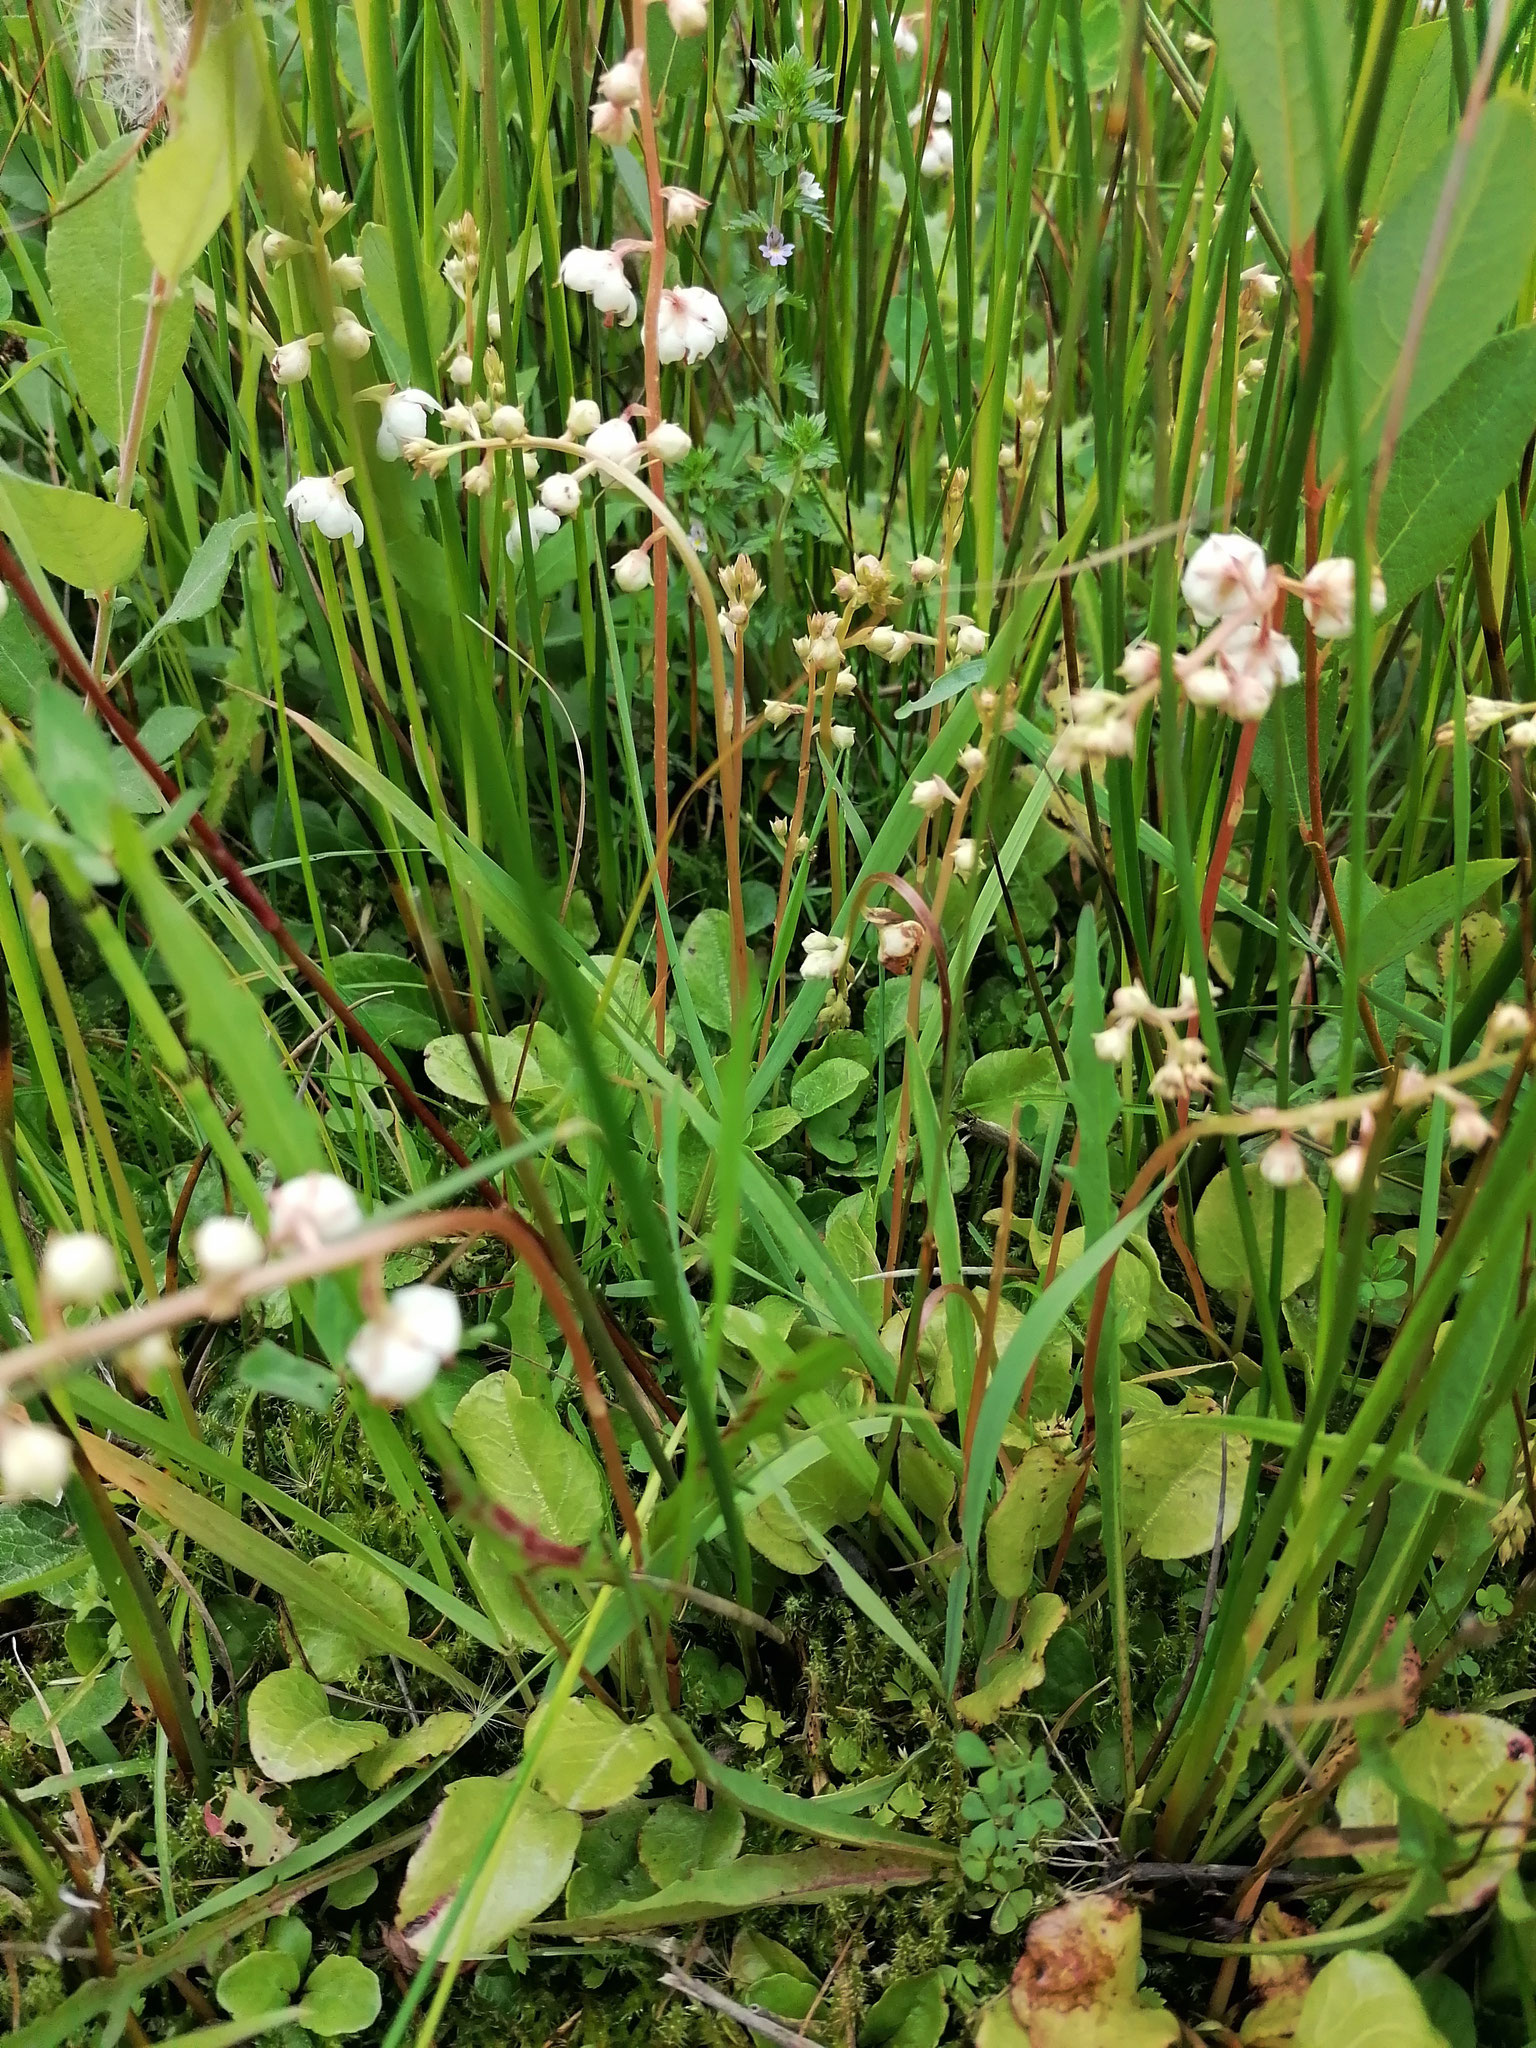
<point x="264" y="1981"/>
<point x="1171" y="1484"/>
<point x="504" y="1603"/>
<point x="590" y="1759"/>
<point x="529" y="1463"/>
<point x="98" y="277"/>
<point x="1130" y="1287"/>
<point x="821" y="1495"/>
<point x="926" y="1485"/>
<point x="705" y="959"/>
<point x="679" y="1840"/>
<point x="452" y="1070"/>
<point x="1219" y="1249"/>
<point x="1000" y="1082"/>
<point x="294" y="1734"/>
<point x="529" y="1864"/>
<point x="342" y="1996"/>
<point x="1030" y="1514"/>
<point x="333" y="1655"/>
<point x="1478" y="1773"/>
<point x="827" y="1085"/>
<point x="1075" y="1984"/>
<point x="1363" y="2000"/>
<point x="437" y="1735"/>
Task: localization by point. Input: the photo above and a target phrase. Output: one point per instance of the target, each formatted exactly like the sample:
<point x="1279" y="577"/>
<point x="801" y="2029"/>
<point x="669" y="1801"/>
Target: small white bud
<point x="584" y="417"/>
<point x="508" y="423"/>
<point x="291" y="362"/>
<point x="35" y="1463"/>
<point x="843" y="737"/>
<point x="349" y="337"/>
<point x="1470" y="1129"/>
<point x="668" y="442"/>
<point x="922" y="569"/>
<point x="226" y="1246"/>
<point x="78" y="1269"/>
<point x="688" y="17"/>
<point x="970" y="641"/>
<point x="1348" y="1169"/>
<point x="347" y="273"/>
<point x="1142" y="664"/>
<point x="931" y="794"/>
<point x="823" y="957"/>
<point x="966" y="858"/>
<point x="461" y="370"/>
<point x="1283" y="1165"/>
<point x="150" y="1355"/>
<point x="311" y="1210"/>
<point x="1113" y="1043"/>
<point x="620" y="83"/>
<point x="973" y="760"/>
<point x="1224" y="577"/>
<point x="632" y="571"/>
<point x="561" y="494"/>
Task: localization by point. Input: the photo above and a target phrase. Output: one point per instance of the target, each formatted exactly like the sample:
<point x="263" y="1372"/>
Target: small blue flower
<point x="776" y="249"/>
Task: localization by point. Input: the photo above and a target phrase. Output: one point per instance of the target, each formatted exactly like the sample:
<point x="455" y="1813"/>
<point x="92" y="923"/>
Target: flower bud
<point x="1348" y="1169"/>
<point x="1143" y="664"/>
<point x="688" y="17"/>
<point x="823" y="957"/>
<point x="1113" y="1043"/>
<point x="931" y="794"/>
<point x="843" y="737"/>
<point x="620" y="83"/>
<point x="147" y="1357"/>
<point x="347" y="273"/>
<point x="970" y="641"/>
<point x="1470" y="1129"/>
<point x="1283" y="1165"/>
<point x="461" y="370"/>
<point x="584" y="417"/>
<point x="668" y="441"/>
<point x="78" y="1269"/>
<point x="632" y="571"/>
<point x="1225" y="578"/>
<point x="311" y="1210"/>
<point x="561" y="494"/>
<point x="398" y="1354"/>
<point x="35" y="1463"/>
<point x="350" y="338"/>
<point x="291" y="362"/>
<point x="922" y="569"/>
<point x="225" y="1247"/>
<point x="966" y="858"/>
<point x="898" y="943"/>
<point x="973" y="760"/>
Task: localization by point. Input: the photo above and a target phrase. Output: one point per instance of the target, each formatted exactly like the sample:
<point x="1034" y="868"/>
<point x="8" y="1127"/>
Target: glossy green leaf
<point x="1477" y="1772"/>
<point x="529" y="1463"/>
<point x="261" y="1982"/>
<point x="529" y="1864"/>
<point x="705" y="959"/>
<point x="99" y="275"/>
<point x="436" y="1735"/>
<point x="341" y="1996"/>
<point x="190" y="183"/>
<point x="451" y="1070"/>
<point x="1364" y="2000"/>
<point x="999" y="1082"/>
<point x="87" y="542"/>
<point x="332" y="1652"/>
<point x="1402" y="918"/>
<point x="1263" y="46"/>
<point x="678" y="1841"/>
<point x="1418" y="110"/>
<point x="824" y="1086"/>
<point x="1477" y="272"/>
<point x="1219" y="1251"/>
<point x="1171" y="1484"/>
<point x="295" y="1735"/>
<point x="1454" y="462"/>
<point x="911" y="2013"/>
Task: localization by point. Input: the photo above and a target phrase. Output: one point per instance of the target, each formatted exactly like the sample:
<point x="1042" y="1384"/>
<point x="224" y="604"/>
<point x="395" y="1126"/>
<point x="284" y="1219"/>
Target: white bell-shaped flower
<point x="561" y="494"/>
<point x="226" y="1246"/>
<point x="78" y="1268"/>
<point x="1224" y="577"/>
<point x="541" y="524"/>
<point x="403" y="418"/>
<point x="35" y="1463"/>
<point x="689" y="323"/>
<point x="614" y="441"/>
<point x="311" y="1210"/>
<point x="399" y="1353"/>
<point x="320" y="501"/>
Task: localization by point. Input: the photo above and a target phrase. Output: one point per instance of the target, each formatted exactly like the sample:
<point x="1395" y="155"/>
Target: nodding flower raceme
<point x="402" y="418"/>
<point x="321" y="501"/>
<point x="35" y="1463"/>
<point x="311" y="1210"/>
<point x="822" y="956"/>
<point x="541" y="524"/>
<point x="77" y="1270"/>
<point x="1185" y="1070"/>
<point x="689" y="323"/>
<point x="399" y="1353"/>
<point x="598" y="274"/>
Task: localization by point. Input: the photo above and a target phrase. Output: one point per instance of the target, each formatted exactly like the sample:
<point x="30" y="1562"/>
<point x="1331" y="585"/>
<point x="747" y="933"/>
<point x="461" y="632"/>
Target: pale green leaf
<point x="99" y="275"/>
<point x="190" y="183"/>
<point x="438" y="1735"/>
<point x="263" y="1981"/>
<point x="342" y="1996"/>
<point x="1004" y="1679"/>
<point x="705" y="960"/>
<point x="1219" y="1251"/>
<point x="87" y="542"/>
<point x="529" y="1463"/>
<point x="1362" y="1999"/>
<point x="203" y="583"/>
<point x="1030" y="1514"/>
<point x="530" y="1861"/>
<point x="678" y="1841"/>
<point x="295" y="1735"/>
<point x="590" y="1759"/>
<point x="1263" y="46"/>
<point x="332" y="1652"/>
<point x="1171" y="1483"/>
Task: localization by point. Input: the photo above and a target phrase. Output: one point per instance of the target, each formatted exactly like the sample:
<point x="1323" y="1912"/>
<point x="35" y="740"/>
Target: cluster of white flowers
<point x="1185" y="1068"/>
<point x="822" y="956"/>
<point x="689" y="322"/>
<point x="398" y="1353"/>
<point x="1484" y="713"/>
<point x="938" y="157"/>
<point x="598" y="274"/>
<point x="1242" y="661"/>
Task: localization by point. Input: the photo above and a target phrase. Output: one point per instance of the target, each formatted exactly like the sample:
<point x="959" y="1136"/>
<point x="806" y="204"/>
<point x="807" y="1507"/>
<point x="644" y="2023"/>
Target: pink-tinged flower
<point x="689" y="323"/>
<point x="1224" y="577"/>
